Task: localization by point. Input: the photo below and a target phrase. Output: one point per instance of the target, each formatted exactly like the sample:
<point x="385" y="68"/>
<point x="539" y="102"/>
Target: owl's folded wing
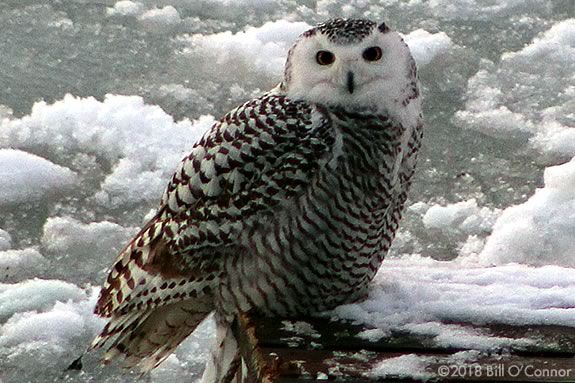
<point x="257" y="157"/>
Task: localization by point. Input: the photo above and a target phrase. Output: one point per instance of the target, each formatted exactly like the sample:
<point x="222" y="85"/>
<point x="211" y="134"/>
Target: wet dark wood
<point x="320" y="349"/>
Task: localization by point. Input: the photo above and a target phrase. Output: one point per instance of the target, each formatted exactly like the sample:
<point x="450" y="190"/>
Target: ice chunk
<point x="158" y="19"/>
<point x="142" y="143"/>
<point x="27" y="177"/>
<point x="541" y="230"/>
<point x="43" y="326"/>
<point x="51" y="338"/>
<point x="528" y="96"/>
<point x="86" y="248"/>
<point x="126" y="8"/>
<point x="35" y="294"/>
<point x="465" y="216"/>
<point x="426" y="46"/>
<point x="16" y="265"/>
<point x="5" y="240"/>
<point x="264" y="48"/>
<point x="458" y="228"/>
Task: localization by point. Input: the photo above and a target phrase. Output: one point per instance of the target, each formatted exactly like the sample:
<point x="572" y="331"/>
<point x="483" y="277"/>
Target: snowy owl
<point x="285" y="207"/>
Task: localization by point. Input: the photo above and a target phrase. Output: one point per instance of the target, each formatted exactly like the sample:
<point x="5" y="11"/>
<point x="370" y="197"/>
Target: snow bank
<point x="87" y="248"/>
<point x="27" y="177"/>
<point x="416" y="294"/>
<point x="141" y="142"/>
<point x="529" y="96"/>
<point x="541" y="231"/>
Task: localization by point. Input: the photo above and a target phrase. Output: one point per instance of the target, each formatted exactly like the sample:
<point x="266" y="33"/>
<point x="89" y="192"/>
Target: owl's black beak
<point x="350" y="83"/>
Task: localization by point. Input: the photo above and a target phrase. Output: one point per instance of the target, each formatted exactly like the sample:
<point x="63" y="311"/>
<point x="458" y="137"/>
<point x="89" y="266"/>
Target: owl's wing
<point x="256" y="158"/>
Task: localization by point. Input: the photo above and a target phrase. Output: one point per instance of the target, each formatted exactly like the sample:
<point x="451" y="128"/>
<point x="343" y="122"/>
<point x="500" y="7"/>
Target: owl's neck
<point x="406" y="109"/>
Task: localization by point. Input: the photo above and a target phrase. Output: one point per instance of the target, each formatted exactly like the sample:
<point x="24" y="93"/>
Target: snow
<point x="465" y="216"/>
<point x="417" y="366"/>
<point x="35" y="294"/>
<point x="425" y="46"/>
<point x="50" y="335"/>
<point x="541" y="230"/>
<point x="141" y="141"/>
<point x="463" y="291"/>
<point x="101" y="101"/>
<point x="27" y="177"/>
<point x="410" y="365"/>
<point x="160" y="18"/>
<point x="258" y="48"/>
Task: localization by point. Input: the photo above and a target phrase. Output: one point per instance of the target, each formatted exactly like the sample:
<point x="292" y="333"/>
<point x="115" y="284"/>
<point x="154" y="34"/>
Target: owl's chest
<point x="322" y="248"/>
<point x="349" y="202"/>
<point x="366" y="161"/>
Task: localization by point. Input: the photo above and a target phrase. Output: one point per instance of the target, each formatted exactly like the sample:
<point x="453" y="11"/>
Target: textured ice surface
<point x="17" y="265"/>
<point x="528" y="97"/>
<point x="68" y="243"/>
<point x="26" y="177"/>
<point x="100" y="100"/>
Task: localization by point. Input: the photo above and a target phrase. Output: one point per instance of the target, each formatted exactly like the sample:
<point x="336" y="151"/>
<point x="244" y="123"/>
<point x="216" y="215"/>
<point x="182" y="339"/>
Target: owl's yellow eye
<point x="372" y="54"/>
<point x="324" y="57"/>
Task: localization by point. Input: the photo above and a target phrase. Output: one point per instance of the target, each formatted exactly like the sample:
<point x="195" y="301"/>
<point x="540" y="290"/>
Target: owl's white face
<point x="375" y="71"/>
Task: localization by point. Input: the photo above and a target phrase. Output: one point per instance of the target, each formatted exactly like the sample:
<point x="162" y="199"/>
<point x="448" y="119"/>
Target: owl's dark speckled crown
<point x="346" y="31"/>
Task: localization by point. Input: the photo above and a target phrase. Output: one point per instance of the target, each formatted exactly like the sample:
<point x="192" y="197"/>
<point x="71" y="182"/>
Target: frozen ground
<point x="100" y="100"/>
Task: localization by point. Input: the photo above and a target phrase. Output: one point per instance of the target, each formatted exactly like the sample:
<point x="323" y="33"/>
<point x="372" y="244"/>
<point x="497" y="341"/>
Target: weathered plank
<point x="312" y="348"/>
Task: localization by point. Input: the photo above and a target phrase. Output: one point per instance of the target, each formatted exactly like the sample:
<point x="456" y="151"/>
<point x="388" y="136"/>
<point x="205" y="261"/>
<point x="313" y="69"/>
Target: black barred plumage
<point x="286" y="206"/>
<point x="346" y="31"/>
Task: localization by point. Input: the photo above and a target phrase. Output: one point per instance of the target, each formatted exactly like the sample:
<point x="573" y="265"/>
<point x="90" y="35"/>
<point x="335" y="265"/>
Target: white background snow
<point x="100" y="99"/>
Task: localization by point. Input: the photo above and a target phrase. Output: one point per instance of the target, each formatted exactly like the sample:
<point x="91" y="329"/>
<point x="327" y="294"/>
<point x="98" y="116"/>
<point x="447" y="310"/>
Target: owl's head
<point x="354" y="64"/>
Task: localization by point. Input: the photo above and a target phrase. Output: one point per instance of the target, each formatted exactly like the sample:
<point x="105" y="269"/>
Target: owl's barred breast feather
<point x="286" y="206"/>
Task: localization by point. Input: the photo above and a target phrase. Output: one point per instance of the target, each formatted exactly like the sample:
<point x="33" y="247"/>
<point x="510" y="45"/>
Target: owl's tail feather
<point x="146" y="338"/>
<point x="224" y="360"/>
